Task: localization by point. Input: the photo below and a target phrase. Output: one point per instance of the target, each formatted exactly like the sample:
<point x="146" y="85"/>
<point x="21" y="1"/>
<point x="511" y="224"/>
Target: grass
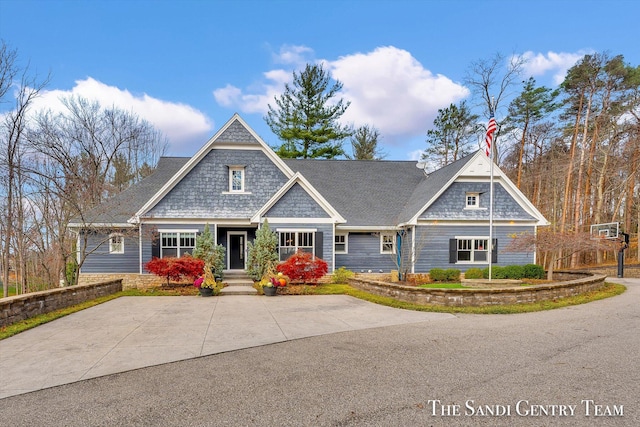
<point x="609" y="290"/>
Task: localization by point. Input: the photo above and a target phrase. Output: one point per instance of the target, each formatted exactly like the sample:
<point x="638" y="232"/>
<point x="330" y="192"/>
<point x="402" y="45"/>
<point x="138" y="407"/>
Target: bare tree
<point x="12" y="149"/>
<point x="491" y="81"/>
<point x="88" y="153"/>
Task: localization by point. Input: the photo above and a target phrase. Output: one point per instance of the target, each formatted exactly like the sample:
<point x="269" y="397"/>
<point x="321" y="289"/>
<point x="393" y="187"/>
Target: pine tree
<point x="263" y="252"/>
<point x="306" y="118"/>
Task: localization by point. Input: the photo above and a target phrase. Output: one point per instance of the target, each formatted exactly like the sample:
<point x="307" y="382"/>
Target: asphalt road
<point x="574" y="366"/>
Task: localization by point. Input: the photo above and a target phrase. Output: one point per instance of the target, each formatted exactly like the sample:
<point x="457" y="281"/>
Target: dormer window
<point x="473" y="201"/>
<point x="236" y="179"/>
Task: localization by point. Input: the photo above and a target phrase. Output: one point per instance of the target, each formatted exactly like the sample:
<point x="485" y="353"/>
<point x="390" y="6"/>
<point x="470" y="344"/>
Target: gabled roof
<point x="357" y="194"/>
<point x="366" y="193"/>
<point x="120" y="208"/>
<point x="224" y="138"/>
<point x="472" y="166"/>
<point x="298" y="179"/>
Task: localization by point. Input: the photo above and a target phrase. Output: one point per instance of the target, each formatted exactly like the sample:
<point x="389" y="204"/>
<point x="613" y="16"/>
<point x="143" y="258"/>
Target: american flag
<point x="491" y="129"/>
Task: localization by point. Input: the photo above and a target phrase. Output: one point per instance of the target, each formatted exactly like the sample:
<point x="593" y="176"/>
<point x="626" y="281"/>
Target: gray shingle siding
<point x="200" y="194"/>
<point x="236" y="133"/>
<point x="364" y="254"/>
<point x="451" y="204"/>
<point x="296" y="203"/>
<point x="432" y="246"/>
<point x="101" y="261"/>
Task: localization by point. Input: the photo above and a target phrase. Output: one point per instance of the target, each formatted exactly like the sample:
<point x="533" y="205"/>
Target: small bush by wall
<point x="448" y="275"/>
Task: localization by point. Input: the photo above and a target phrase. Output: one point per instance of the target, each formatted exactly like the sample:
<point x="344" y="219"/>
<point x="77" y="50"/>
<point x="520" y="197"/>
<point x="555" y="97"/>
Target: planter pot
<point x="269" y="290"/>
<point x="206" y="292"/>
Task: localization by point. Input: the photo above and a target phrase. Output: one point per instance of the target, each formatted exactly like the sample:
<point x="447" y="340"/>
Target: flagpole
<point x="490" y="143"/>
<point x="490" y="243"/>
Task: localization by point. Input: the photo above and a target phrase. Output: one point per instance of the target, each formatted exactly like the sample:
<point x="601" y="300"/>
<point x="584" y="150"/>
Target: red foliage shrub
<point x="303" y="266"/>
<point x="176" y="268"/>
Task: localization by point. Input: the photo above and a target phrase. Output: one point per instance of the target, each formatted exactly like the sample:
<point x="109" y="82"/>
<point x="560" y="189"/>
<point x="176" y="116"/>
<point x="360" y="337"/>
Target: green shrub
<point x="534" y="271"/>
<point x="497" y="272"/>
<point x="440" y="275"/>
<point x="473" y="273"/>
<point x="514" y="272"/>
<point x="437" y="275"/>
<point x="452" y="275"/>
<point x="342" y="276"/>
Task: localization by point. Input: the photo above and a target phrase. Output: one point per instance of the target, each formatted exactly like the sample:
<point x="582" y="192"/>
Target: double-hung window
<point x="471" y="250"/>
<point x="116" y="243"/>
<point x="341" y="244"/>
<point x="293" y="240"/>
<point x="388" y="243"/>
<point x="177" y="243"/>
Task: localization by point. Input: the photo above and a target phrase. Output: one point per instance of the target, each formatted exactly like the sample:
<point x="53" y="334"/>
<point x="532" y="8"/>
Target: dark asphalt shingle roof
<point x="366" y="193"/>
<point x="120" y="208"/>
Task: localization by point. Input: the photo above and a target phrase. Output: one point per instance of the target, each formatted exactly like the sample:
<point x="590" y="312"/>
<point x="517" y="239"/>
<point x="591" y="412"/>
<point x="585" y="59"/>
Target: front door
<point x="236" y="250"/>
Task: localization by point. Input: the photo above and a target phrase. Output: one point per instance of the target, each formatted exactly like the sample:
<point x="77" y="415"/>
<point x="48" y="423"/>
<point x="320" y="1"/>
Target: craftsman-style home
<point x="363" y="215"/>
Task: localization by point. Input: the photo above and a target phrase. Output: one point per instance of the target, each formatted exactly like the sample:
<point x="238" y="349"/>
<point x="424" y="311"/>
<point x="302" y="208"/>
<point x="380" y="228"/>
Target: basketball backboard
<point x="605" y="231"/>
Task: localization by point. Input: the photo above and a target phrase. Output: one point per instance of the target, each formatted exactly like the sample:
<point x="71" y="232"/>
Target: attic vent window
<point x="473" y="201"/>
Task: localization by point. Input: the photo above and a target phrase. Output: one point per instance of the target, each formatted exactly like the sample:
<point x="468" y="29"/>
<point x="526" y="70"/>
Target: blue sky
<point x="187" y="66"/>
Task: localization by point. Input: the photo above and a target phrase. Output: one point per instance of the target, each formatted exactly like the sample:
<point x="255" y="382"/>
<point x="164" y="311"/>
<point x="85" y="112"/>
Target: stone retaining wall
<point x="20" y="307"/>
<point x="584" y="282"/>
<point x="129" y="280"/>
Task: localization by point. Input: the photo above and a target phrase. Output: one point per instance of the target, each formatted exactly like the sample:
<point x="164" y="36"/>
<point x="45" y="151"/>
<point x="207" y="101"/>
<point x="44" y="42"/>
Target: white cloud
<point x="180" y="123"/>
<point x="388" y="88"/>
<point x="557" y="64"/>
<point x="294" y="55"/>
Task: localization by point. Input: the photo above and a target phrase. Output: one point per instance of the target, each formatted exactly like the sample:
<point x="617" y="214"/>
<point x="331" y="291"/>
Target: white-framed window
<point x="388" y="243"/>
<point x="472" y="201"/>
<point x="116" y="243"/>
<point x="290" y="241"/>
<point x="177" y="243"/>
<point x="236" y="179"/>
<point x="473" y="249"/>
<point x="341" y="243"/>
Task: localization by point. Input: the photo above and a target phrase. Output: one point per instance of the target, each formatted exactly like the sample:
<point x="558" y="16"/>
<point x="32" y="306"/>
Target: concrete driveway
<point x="135" y="332"/>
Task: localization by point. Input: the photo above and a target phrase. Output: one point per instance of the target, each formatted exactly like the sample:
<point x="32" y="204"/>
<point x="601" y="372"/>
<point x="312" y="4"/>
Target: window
<point x="177" y="243"/>
<point x="116" y="243"/>
<point x="341" y="244"/>
<point x="236" y="179"/>
<point x="388" y="243"/>
<point x="473" y="201"/>
<point x="472" y="250"/>
<point x="292" y="241"/>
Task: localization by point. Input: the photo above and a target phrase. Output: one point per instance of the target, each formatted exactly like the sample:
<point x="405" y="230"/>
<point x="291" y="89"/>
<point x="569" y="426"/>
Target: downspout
<point x="399" y="254"/>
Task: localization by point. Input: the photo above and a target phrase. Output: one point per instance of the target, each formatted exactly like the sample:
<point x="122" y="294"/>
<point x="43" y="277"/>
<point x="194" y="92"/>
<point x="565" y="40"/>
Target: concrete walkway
<point x="135" y="332"/>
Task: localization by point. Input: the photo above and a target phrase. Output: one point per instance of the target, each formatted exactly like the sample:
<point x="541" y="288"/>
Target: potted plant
<point x="271" y="282"/>
<point x="207" y="284"/>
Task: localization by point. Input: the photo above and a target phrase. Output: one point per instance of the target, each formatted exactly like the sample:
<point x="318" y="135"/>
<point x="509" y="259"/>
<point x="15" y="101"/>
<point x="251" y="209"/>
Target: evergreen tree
<point x="209" y="252"/>
<point x="364" y="142"/>
<point x="263" y="252"/>
<point x="306" y="117"/>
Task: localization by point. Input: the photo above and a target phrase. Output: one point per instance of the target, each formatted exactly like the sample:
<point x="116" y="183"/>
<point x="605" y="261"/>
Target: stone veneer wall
<point x="129" y="280"/>
<point x="20" y="307"/>
<point x="483" y="297"/>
